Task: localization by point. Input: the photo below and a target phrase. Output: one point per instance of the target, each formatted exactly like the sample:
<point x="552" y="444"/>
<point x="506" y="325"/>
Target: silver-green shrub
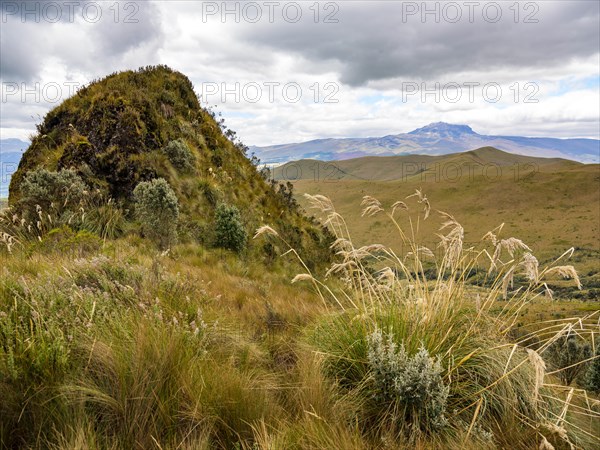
<point x="180" y="155"/>
<point x="157" y="209"/>
<point x="51" y="192"/>
<point x="413" y="383"/>
<point x="567" y="356"/>
<point x="592" y="376"/>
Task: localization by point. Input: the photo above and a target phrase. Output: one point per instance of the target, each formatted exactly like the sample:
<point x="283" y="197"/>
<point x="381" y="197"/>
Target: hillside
<point x="552" y="208"/>
<point x="434" y="139"/>
<point x="127" y="322"/>
<point x="487" y="161"/>
<point x="114" y="132"/>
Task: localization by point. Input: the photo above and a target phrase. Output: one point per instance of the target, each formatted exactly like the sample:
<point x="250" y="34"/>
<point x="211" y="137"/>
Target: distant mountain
<point x="434" y="139"/>
<point x="11" y="151"/>
<point x="487" y="161"/>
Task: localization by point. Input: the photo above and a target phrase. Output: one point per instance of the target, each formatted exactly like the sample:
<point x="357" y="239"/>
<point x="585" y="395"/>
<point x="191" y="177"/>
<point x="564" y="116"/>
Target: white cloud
<point x="368" y="55"/>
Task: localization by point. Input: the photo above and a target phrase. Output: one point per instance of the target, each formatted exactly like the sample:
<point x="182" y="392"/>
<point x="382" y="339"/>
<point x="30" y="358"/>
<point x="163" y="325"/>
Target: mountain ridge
<point x="438" y="138"/>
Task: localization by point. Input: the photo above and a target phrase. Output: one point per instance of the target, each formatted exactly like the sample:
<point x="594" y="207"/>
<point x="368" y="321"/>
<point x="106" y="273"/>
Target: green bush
<point x="566" y="355"/>
<point x="180" y="155"/>
<point x="53" y="192"/>
<point x="229" y="229"/>
<point x="592" y="376"/>
<point x="157" y="209"/>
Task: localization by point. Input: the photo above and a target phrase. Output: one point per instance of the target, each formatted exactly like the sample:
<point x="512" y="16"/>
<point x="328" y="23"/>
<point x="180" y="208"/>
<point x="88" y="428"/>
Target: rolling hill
<point x="551" y="204"/>
<point x="434" y="139"/>
<point x="487" y="161"/>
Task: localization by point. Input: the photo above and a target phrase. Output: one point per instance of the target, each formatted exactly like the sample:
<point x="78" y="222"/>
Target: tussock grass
<point x="499" y="391"/>
<point x="118" y="346"/>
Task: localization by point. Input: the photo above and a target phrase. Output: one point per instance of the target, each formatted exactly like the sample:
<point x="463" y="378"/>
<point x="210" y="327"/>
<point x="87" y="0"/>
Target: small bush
<point x="229" y="230"/>
<point x="157" y="209"/>
<point x="566" y="355"/>
<point x="180" y="155"/>
<point x="592" y="376"/>
<point x="411" y="383"/>
<point x="54" y="192"/>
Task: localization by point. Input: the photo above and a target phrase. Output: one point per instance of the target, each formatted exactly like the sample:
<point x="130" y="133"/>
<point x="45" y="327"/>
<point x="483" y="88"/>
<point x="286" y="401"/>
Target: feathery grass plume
<point x="540" y="370"/>
<point x="399" y="205"/>
<point x="332" y="218"/>
<point x="266" y="230"/>
<point x="567" y="272"/>
<point x="512" y="245"/>
<point x="422" y="252"/>
<point x="372" y="206"/>
<point x="530" y="267"/>
<point x="422" y="199"/>
<point x="452" y="241"/>
<point x="302" y="277"/>
<point x="341" y="244"/>
<point x="8" y="240"/>
<point x="386" y="276"/>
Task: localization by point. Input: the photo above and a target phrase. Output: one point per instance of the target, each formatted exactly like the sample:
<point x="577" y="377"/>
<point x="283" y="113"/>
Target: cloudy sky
<point x="293" y="71"/>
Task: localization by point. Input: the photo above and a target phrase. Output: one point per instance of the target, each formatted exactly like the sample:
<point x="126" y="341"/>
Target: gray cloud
<point x="90" y="36"/>
<point x="372" y="43"/>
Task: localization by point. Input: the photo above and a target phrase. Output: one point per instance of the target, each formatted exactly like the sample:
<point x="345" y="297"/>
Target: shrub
<point x="566" y="354"/>
<point x="54" y="192"/>
<point x="229" y="230"/>
<point x="412" y="384"/>
<point x="157" y="209"/>
<point x="592" y="376"/>
<point x="180" y="155"/>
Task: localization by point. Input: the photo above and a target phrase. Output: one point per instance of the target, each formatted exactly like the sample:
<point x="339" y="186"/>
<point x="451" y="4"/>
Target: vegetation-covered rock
<point x="136" y="126"/>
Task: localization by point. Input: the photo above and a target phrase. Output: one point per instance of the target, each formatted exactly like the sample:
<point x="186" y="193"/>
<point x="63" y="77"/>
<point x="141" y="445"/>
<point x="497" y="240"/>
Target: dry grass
<point x="122" y="347"/>
<point x="462" y="326"/>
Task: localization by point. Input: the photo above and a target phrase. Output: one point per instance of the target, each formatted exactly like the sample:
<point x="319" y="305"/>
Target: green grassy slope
<point x="550" y="210"/>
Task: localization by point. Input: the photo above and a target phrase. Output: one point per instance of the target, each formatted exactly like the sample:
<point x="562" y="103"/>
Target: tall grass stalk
<point x="423" y="300"/>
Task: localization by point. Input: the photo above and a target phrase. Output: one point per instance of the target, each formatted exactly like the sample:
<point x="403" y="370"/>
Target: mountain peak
<point x="444" y="128"/>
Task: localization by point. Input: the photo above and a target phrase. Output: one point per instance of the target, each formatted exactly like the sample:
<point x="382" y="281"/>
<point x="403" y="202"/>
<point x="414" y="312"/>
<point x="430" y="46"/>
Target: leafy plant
<point x="411" y="384"/>
<point x="229" y="229"/>
<point x="157" y="209"/>
<point x="592" y="376"/>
